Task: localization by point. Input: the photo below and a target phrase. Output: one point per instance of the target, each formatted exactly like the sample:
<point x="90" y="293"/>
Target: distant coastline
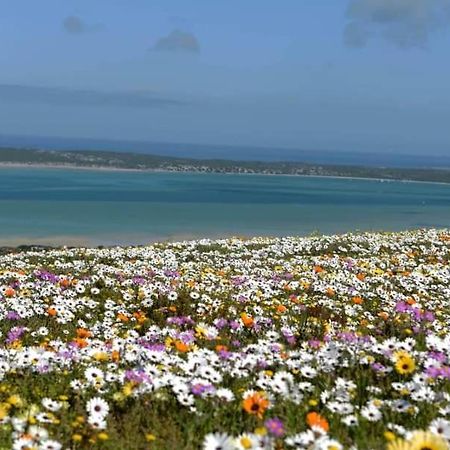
<point x="117" y="161"/>
<point x="6" y="165"/>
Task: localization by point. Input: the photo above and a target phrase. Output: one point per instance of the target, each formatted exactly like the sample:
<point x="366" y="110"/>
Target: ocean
<point x="96" y="207"/>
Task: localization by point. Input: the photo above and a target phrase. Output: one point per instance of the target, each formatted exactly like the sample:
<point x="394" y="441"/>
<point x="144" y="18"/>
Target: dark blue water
<point x="56" y="205"/>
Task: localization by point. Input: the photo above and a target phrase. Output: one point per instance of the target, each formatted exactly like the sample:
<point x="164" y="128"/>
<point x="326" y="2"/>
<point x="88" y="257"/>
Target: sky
<point x="339" y="75"/>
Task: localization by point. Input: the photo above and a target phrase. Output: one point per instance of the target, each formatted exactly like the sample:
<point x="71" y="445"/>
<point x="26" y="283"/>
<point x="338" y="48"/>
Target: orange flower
<point x="330" y="292"/>
<point x="80" y="342"/>
<point x="247" y="320"/>
<point x="411" y="301"/>
<point x="83" y="333"/>
<point x="52" y="312"/>
<point x="281" y="309"/>
<point x="64" y="282"/>
<point x="122" y="317"/>
<point x="115" y="356"/>
<point x="9" y="292"/>
<point x="318" y="269"/>
<point x="360" y="276"/>
<point x="256" y="404"/>
<point x="357" y="300"/>
<point x="221" y="348"/>
<point x="181" y="346"/>
<point x="384" y="315"/>
<point x="314" y="419"/>
<point x="140" y="316"/>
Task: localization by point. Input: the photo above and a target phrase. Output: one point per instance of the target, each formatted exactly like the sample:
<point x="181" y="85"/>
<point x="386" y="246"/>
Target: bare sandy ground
<point x="95" y="241"/>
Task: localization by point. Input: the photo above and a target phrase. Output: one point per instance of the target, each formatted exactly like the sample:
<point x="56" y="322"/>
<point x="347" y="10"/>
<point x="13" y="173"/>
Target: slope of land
<point x="327" y="342"/>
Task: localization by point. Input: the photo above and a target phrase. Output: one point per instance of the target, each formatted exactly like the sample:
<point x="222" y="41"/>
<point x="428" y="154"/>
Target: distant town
<point x="145" y="162"/>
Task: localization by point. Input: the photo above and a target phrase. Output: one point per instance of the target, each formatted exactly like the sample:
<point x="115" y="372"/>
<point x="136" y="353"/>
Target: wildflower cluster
<point x="334" y="342"/>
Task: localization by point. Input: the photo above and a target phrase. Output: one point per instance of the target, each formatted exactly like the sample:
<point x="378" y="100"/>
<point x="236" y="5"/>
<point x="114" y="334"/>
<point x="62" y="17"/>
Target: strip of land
<point x="108" y="160"/>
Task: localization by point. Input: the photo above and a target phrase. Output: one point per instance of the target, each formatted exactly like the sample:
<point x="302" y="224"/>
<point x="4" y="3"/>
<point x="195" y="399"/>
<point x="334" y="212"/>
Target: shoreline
<point x="6" y="165"/>
<point x="94" y="241"/>
<point x="17" y="243"/>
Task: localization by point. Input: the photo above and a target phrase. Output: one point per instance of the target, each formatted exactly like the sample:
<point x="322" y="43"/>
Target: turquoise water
<point x="101" y="207"/>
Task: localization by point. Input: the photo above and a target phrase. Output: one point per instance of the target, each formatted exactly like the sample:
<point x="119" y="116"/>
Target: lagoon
<point x="93" y="207"/>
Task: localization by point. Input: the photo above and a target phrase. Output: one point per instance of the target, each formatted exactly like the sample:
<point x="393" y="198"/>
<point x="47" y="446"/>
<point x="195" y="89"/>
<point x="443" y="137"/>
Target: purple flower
<point x="138" y="376"/>
<point x="187" y="337"/>
<point x="13" y="315"/>
<point x="262" y="364"/>
<point x="377" y="367"/>
<point x="433" y="372"/>
<point x="138" y="280"/>
<point x="438" y="356"/>
<point x="234" y="325"/>
<point x="47" y="276"/>
<point x="275" y="427"/>
<point x="224" y="354"/>
<point x="14" y="334"/>
<point x="220" y="323"/>
<point x="314" y="343"/>
<point x="200" y="389"/>
<point x="290" y="340"/>
<point x="402" y="307"/>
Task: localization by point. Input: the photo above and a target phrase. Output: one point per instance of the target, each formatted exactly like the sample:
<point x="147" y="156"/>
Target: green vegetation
<point x="136" y="161"/>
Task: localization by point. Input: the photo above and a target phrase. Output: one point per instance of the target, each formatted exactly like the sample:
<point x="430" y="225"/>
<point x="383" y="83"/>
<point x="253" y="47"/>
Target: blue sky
<point x="343" y="75"/>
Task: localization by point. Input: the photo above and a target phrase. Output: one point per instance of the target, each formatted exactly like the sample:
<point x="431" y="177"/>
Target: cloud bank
<point x="75" y="25"/>
<point x="178" y="41"/>
<point x="404" y="23"/>
<point x="72" y="97"/>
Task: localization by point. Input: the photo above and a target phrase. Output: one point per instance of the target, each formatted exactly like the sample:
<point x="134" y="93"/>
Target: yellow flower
<point x="389" y="436"/>
<point x="149" y="437"/>
<point x="377" y="402"/>
<point x="261" y="431"/>
<point x="77" y="437"/>
<point x="399" y="444"/>
<point x="15" y="400"/>
<point x="103" y="436"/>
<point x="245" y="442"/>
<point x="101" y="356"/>
<point x="404" y="363"/>
<point x="3" y="413"/>
<point x="127" y="389"/>
<point x="425" y="440"/>
<point x="6" y="406"/>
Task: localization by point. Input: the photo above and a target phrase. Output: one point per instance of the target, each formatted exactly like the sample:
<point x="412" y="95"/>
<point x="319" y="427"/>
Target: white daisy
<point x="218" y="441"/>
<point x="97" y="407"/>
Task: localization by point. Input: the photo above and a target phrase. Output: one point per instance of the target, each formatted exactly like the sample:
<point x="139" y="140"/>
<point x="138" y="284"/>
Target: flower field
<point x="331" y="342"/>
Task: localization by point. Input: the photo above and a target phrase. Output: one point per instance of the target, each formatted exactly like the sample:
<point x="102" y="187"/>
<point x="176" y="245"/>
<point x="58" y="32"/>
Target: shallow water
<point x="106" y="207"/>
